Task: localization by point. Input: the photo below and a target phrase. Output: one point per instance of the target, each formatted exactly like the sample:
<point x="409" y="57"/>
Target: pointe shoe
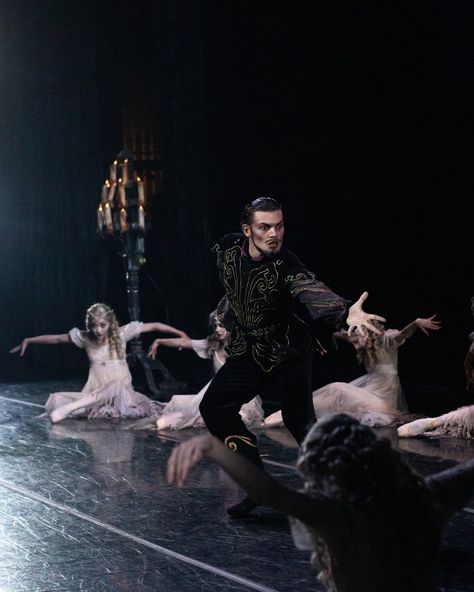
<point x="169" y="421"/>
<point x="415" y="428"/>
<point x="56" y="416"/>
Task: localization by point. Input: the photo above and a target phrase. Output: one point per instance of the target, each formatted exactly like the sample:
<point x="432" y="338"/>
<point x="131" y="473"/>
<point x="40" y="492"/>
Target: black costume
<point x="276" y="306"/>
<point x="384" y="544"/>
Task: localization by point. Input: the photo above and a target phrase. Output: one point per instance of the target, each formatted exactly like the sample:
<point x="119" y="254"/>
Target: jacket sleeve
<point x="315" y="302"/>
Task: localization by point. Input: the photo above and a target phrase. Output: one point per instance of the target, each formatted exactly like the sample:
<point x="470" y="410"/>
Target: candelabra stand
<point x="121" y="215"/>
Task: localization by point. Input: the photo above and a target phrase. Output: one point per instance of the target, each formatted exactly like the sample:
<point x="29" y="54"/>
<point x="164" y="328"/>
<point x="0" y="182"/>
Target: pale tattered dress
<point x="375" y="399"/>
<point x="109" y="381"/>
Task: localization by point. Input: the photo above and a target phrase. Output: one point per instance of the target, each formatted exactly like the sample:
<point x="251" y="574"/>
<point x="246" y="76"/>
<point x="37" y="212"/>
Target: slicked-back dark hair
<point x="260" y="204"/>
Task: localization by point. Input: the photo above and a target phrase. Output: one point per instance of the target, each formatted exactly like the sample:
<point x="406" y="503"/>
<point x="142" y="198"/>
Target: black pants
<point x="241" y="379"/>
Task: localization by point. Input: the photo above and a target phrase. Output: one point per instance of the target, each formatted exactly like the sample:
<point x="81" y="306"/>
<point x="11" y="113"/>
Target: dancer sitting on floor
<point x="371" y="522"/>
<point x="108" y="391"/>
<point x="182" y="411"/>
<point x="458" y="423"/>
<point x="376" y="398"/>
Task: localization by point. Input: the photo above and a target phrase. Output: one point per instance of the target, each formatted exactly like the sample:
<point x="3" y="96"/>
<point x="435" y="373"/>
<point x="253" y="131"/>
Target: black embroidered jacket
<point x="276" y="303"/>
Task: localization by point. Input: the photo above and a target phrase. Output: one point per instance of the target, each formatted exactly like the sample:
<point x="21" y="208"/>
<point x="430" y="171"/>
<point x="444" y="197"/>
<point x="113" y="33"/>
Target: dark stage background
<point x="358" y="119"/>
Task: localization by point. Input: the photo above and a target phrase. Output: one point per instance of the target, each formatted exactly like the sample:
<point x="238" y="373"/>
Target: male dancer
<point x="277" y="306"/>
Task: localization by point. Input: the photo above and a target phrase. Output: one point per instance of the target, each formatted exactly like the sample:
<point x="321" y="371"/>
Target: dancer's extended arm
<point x="162" y="328"/>
<point x="425" y="325"/>
<point x="43" y="339"/>
<point x="454" y="488"/>
<point x="259" y="485"/>
<point x="183" y="342"/>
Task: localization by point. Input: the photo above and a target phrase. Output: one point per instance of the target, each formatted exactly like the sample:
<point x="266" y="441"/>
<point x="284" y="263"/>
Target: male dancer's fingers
<point x="377" y="318"/>
<point x="373" y="317"/>
<point x="363" y="297"/>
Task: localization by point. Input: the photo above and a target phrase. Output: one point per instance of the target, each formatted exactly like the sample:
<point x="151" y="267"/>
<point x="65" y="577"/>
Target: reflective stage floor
<point x="84" y="506"/>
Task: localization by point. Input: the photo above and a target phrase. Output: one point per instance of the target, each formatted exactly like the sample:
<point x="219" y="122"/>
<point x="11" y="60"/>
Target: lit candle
<point x="108" y="217"/>
<point x="105" y="190"/>
<point x="141" y="218"/>
<point x="125" y="171"/>
<point x="100" y="218"/>
<point x="113" y="171"/>
<point x="141" y="192"/>
<point x="123" y="219"/>
<point x="112" y="191"/>
<point x="122" y="196"/>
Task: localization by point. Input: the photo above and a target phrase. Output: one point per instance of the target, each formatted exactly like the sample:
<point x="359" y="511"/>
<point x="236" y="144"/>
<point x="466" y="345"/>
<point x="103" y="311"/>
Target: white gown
<point x="109" y="381"/>
<point x="456" y="424"/>
<point x="375" y="399"/>
<point x="182" y="411"/>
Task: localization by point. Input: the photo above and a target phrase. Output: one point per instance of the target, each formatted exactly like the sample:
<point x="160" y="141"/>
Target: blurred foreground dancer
<point x="371" y="522"/>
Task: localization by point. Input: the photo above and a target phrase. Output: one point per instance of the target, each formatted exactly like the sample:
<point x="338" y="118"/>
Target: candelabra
<point x="121" y="215"/>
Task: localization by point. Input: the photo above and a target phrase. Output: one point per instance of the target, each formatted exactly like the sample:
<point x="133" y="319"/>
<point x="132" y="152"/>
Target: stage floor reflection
<point x="84" y="506"/>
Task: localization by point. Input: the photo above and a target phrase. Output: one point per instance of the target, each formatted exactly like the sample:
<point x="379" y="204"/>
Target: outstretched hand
<point x="20" y="348"/>
<point x="360" y="320"/>
<point x="185" y="456"/>
<point x="429" y="324"/>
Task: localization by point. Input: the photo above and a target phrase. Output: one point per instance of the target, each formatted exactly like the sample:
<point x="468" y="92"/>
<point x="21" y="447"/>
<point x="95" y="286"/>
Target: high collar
<point x="245" y="251"/>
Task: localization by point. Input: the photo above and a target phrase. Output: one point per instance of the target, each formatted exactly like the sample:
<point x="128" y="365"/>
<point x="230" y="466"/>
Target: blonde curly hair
<point x="368" y="353"/>
<point x="101" y="311"/>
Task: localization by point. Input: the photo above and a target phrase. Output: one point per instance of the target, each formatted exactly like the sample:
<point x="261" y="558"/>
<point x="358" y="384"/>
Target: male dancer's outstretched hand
<point x="358" y="319"/>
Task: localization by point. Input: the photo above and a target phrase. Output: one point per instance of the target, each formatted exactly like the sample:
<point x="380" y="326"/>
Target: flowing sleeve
<point x="201" y="347"/>
<point x="131" y="330"/>
<point x="316" y="302"/>
<point x="77" y="337"/>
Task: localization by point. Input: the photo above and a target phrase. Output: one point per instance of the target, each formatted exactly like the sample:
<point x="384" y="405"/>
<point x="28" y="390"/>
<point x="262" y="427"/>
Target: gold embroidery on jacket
<point x="250" y="303"/>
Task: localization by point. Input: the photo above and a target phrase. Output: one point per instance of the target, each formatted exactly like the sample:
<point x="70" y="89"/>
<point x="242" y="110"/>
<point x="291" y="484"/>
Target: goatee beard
<point x="271" y="254"/>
